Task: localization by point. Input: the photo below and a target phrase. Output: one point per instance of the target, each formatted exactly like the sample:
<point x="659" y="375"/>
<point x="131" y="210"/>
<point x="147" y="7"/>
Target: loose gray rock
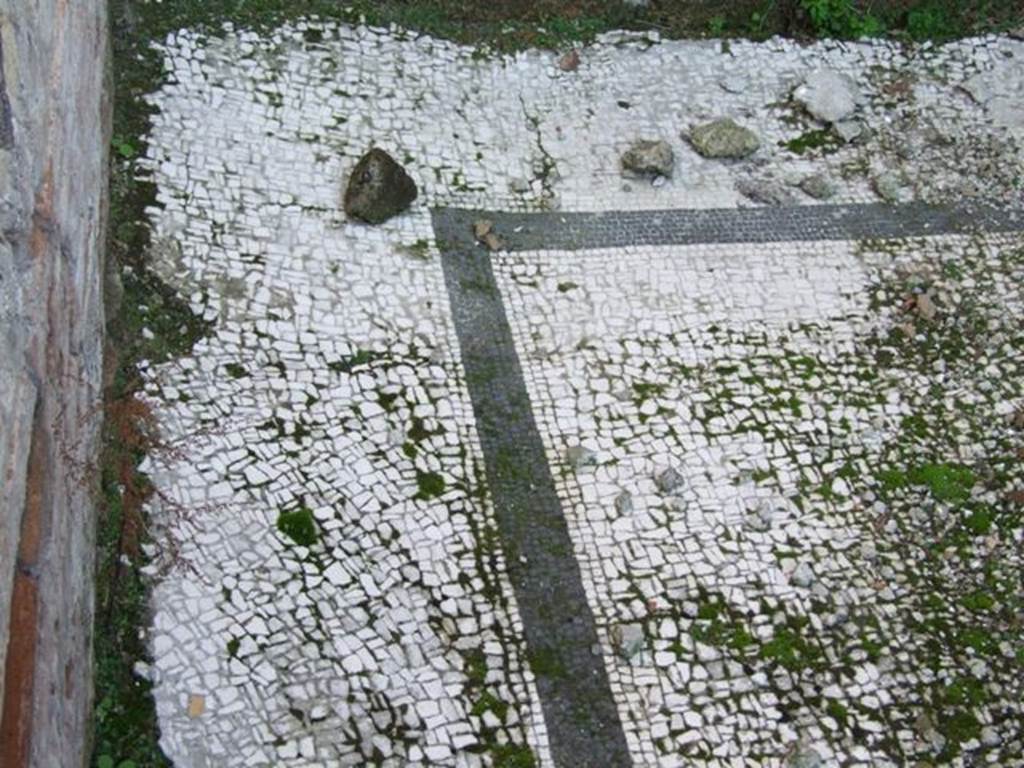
<point x="379" y="188"/>
<point x="805" y="757"/>
<point x="849" y="130"/>
<point x="803" y="576"/>
<point x="483" y="230"/>
<point x="888" y="187"/>
<point x="925" y="727"/>
<point x="828" y="95"/>
<point x="761" y="518"/>
<point x="819" y="186"/>
<point x="1016" y="419"/>
<point x="624" y="503"/>
<point x="676" y="505"/>
<point x="925" y="306"/>
<point x="724" y="138"/>
<point x="144" y="671"/>
<point x="990" y="737"/>
<point x="649" y="158"/>
<point x="869" y="551"/>
<point x="668" y="480"/>
<point x="579" y="457"/>
<point x="570" y="62"/>
<point x="912" y="146"/>
<point x="765" y="191"/>
<point x="628" y="639"/>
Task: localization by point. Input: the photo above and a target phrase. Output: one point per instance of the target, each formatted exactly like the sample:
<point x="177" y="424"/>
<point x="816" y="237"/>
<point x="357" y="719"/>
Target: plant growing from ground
<point x="841" y="18"/>
<point x="930" y="21"/>
<point x="125" y="723"/>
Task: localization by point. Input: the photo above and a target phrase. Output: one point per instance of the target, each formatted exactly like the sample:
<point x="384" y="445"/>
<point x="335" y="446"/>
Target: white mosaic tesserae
<point x="755" y="395"/>
<point x="789" y="469"/>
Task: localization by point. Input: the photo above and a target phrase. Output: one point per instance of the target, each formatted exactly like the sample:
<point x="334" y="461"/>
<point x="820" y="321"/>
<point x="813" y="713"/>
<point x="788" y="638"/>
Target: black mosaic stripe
<point x="582" y="720"/>
<point x="617" y="229"/>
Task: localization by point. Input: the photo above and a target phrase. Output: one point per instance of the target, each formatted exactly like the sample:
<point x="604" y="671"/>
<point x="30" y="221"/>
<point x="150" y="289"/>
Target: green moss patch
<point x="476" y="667"/>
<point x="430" y="485"/>
<point x="513" y="756"/>
<point x="947" y="482"/>
<point x="824" y="140"/>
<point x="299" y="526"/>
<point x="791" y="649"/>
<point x="488" y="702"/>
<point x="546" y="662"/>
<point x="979" y="522"/>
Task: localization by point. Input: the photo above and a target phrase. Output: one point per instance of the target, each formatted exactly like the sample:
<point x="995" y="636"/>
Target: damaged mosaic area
<point x="519" y="133"/>
<point x="791" y="471"/>
<point x="796" y="499"/>
<point x="334" y="590"/>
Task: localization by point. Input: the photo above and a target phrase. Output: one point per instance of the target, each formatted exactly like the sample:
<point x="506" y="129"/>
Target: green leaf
<point x="104" y="761"/>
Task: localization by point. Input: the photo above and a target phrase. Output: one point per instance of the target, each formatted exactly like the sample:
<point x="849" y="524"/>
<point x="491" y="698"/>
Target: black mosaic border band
<point x="583" y="726"/>
<point x="617" y="229"/>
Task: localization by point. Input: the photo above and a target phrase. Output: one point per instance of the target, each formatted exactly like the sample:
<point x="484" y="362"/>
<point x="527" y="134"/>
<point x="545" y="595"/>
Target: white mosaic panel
<point x="746" y="613"/>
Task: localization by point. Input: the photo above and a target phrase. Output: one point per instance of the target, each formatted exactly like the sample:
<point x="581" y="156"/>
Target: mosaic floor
<point x="668" y="476"/>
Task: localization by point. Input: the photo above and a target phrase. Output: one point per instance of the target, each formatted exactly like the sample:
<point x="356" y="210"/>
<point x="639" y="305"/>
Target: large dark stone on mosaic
<point x="378" y="188"/>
